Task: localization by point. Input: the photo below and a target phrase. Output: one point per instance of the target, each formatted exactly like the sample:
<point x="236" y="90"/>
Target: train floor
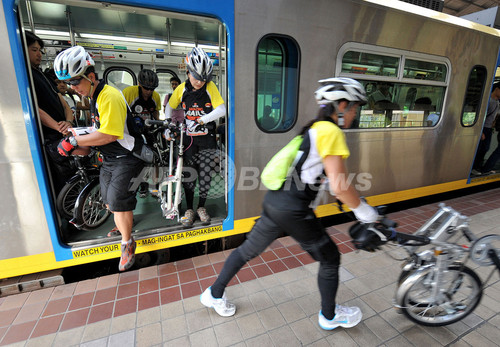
<point x="149" y="219"/>
<point x="276" y="297"/>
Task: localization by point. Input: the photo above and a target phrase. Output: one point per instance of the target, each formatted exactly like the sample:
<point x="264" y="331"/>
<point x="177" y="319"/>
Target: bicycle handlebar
<point x="163" y="124"/>
<point x="149" y="122"/>
<point x="388" y="227"/>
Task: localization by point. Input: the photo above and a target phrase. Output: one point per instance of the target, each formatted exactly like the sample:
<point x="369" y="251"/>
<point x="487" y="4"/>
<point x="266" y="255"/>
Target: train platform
<point x="276" y="296"/>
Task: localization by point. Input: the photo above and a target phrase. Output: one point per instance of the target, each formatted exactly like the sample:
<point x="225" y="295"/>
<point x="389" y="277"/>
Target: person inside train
<point x="267" y="121"/>
<point x="385" y="107"/>
<point x="288" y="210"/>
<point x="178" y="113"/>
<point x="485" y="141"/>
<point x="489" y="165"/>
<point x="143" y="100"/>
<point x="425" y="104"/>
<point x="110" y="136"/>
<point x="67" y="93"/>
<point x="383" y="92"/>
<point x="55" y="114"/>
<point x="145" y="103"/>
<point x="202" y="105"/>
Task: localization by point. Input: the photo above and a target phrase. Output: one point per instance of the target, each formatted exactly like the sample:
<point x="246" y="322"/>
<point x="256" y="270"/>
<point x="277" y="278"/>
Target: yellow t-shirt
<point x="110" y="117"/>
<point x="326" y="138"/>
<point x="196" y="105"/>
<point x="139" y="106"/>
<point x="112" y="111"/>
<point x="213" y="93"/>
<point x="330" y="140"/>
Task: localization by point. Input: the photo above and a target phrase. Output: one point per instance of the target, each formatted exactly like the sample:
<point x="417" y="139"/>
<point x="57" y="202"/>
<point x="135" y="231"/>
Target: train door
<point x="123" y="40"/>
<point x="486" y="164"/>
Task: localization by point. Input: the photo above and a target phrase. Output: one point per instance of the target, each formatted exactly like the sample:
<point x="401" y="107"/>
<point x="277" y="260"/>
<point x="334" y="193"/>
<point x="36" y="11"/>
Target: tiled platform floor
<point x="276" y="296"/>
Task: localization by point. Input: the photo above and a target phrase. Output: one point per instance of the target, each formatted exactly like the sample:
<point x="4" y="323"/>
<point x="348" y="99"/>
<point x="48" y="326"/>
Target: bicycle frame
<point x="169" y="206"/>
<point x="436" y="287"/>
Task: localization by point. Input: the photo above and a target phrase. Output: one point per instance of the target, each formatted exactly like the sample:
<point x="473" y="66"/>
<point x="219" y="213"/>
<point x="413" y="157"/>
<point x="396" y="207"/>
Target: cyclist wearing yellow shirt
<point x="202" y="104"/>
<point x="143" y="100"/>
<point x="109" y="114"/>
<point x="288" y="209"/>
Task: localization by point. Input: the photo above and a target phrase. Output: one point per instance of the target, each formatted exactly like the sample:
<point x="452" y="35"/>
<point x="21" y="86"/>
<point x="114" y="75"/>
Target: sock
<point x="328" y="315"/>
<point x="127" y="242"/>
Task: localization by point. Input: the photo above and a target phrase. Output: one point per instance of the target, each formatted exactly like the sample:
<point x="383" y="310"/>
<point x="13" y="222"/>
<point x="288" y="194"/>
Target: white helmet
<point x="334" y="89"/>
<point x="72" y="62"/>
<point x="199" y="64"/>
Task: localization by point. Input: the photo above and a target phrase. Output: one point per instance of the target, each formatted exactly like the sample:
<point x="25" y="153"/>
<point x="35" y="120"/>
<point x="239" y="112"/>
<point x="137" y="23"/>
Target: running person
<point x="288" y="210"/>
<point x="202" y="104"/>
<point x="111" y="137"/>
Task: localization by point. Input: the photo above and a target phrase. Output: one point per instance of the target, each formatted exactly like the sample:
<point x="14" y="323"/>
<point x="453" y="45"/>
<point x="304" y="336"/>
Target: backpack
<point x="281" y="166"/>
<point x="141" y="150"/>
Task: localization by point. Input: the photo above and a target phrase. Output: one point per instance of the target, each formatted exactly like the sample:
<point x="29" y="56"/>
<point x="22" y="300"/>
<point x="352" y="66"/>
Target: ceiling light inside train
<point x="123" y="38"/>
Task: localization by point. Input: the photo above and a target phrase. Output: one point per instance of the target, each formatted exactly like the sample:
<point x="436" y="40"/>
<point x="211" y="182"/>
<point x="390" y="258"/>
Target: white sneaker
<point x="221" y="306"/>
<point x="346" y="317"/>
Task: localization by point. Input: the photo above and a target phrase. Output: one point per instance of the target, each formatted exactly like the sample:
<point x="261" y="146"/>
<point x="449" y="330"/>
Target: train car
<point x="428" y="77"/>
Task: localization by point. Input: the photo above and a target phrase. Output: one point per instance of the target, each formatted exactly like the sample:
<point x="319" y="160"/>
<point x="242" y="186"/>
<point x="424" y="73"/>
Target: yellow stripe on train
<point x="149" y="241"/>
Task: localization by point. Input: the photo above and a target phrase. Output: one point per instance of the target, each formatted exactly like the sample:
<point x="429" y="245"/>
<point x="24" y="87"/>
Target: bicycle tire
<point x="90" y="211"/>
<point x="462" y="297"/>
<point x="66" y="199"/>
<point x="65" y="202"/>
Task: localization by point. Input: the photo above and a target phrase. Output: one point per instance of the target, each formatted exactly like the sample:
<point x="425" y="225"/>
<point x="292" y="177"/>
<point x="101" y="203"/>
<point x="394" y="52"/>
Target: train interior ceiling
<point x="123" y="41"/>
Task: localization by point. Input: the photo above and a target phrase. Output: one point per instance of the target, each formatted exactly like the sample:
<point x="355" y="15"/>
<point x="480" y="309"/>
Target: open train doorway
<point x="123" y="41"/>
<point x="486" y="164"/>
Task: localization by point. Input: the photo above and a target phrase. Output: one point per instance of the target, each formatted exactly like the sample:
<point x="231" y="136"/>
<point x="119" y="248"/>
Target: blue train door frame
<point x="222" y="10"/>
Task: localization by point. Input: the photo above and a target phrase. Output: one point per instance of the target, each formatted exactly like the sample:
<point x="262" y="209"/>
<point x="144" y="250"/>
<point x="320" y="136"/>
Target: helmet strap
<point x="340" y="115"/>
<point x="91" y="85"/>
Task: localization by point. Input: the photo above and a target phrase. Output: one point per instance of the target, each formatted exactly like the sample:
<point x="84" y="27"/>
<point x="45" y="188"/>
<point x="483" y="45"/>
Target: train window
<point x="120" y="78"/>
<point x="164" y="86"/>
<point x="422" y="70"/>
<point x="400" y="105"/>
<point x="277" y="83"/>
<point x="370" y="64"/>
<point x="473" y="96"/>
<point x="405" y="89"/>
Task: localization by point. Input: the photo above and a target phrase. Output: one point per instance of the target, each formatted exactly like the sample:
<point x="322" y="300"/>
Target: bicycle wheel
<point x="461" y="293"/>
<point x="66" y="198"/>
<point x="90" y="211"/>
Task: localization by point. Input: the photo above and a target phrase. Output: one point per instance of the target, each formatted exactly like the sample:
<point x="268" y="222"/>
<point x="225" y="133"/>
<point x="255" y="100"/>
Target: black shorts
<point x="119" y="182"/>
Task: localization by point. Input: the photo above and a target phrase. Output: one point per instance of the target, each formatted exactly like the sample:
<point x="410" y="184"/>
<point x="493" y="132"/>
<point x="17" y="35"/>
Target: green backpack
<point x="281" y="166"/>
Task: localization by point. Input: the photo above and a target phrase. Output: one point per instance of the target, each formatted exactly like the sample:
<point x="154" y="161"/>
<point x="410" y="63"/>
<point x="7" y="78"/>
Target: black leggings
<point x="199" y="164"/>
<point x="306" y="229"/>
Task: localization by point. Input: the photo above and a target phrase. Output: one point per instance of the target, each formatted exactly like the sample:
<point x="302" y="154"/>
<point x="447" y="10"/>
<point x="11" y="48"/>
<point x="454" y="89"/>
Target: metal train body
<point x="270" y="53"/>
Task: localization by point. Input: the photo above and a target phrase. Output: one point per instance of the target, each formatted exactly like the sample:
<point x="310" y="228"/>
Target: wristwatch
<point x="73" y="141"/>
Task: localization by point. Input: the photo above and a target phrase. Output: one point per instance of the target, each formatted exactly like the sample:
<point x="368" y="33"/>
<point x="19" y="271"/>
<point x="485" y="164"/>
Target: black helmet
<point x="148" y="79"/>
<point x="366" y="236"/>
